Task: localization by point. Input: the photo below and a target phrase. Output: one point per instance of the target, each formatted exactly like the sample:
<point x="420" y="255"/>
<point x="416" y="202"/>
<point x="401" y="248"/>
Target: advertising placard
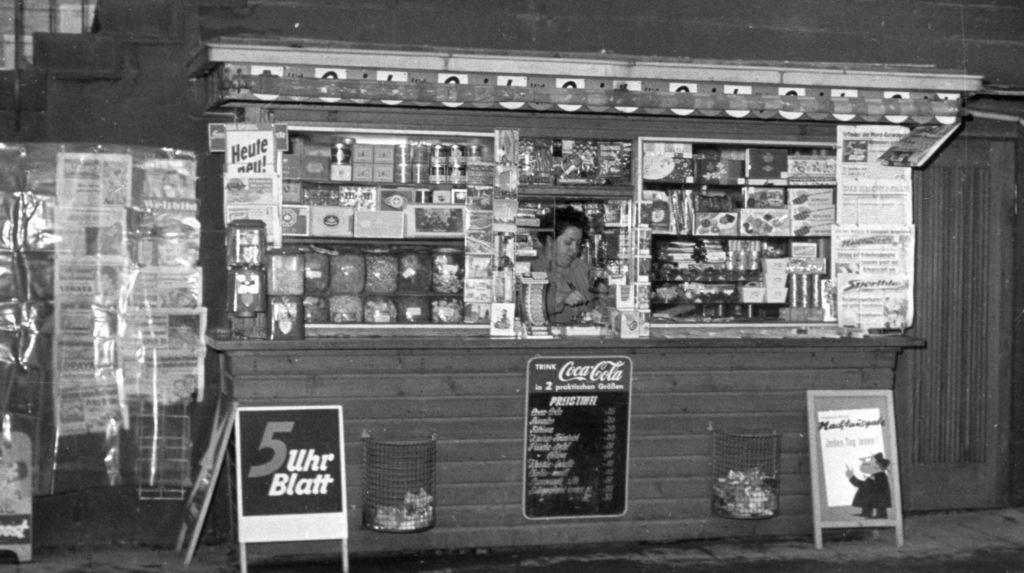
<point x="854" y="460"/>
<point x="290" y="473"/>
<point x="577" y="436"/>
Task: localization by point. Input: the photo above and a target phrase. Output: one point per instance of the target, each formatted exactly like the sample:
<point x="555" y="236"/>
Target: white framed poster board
<point x="290" y="475"/>
<point x="854" y="461"/>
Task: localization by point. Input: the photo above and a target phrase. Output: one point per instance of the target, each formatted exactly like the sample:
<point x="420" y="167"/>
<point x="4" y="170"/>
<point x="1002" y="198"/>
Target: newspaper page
<point x="93" y="179"/>
<point x="868" y="192"/>
<point x="875" y="301"/>
<point x="154" y="288"/>
<point x="171" y="179"/>
<point x="164" y="354"/>
<point x="874" y="271"/>
<point x="91" y="231"/>
<point x="916" y="149"/>
<point x="873" y="250"/>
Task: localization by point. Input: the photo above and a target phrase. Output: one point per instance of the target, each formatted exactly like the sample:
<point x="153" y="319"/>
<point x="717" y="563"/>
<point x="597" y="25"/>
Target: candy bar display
<point x="744" y="205"/>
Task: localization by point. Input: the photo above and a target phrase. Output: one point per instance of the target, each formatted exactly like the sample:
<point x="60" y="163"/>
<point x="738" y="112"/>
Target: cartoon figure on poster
<point x="850" y="439"/>
<point x="873" y="497"/>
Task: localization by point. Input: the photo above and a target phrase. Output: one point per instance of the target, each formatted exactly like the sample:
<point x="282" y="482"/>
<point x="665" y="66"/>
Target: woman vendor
<point x="569" y="295"/>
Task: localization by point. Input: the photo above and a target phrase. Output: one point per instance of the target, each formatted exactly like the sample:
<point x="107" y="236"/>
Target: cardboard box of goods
<point x="362" y="172"/>
<point x="776" y="295"/>
<point x="295" y="220"/>
<point x="714" y="224"/>
<point x="812" y="197"/>
<point x="765" y="222"/>
<point x="753" y="294"/>
<point x="362" y="153"/>
<point x="384" y="154"/>
<point x="812" y="222"/>
<point x="767" y="162"/>
<point x="379" y="224"/>
<point x="330" y="221"/>
<point x="316" y="168"/>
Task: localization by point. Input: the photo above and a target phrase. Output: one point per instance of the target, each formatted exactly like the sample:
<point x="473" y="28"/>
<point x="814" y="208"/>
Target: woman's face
<point x="567" y="246"/>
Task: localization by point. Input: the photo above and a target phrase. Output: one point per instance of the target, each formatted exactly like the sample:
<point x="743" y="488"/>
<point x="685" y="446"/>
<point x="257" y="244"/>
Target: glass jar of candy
<point x="413" y="309"/>
<point x="447" y="266"/>
<point x="379" y="309"/>
<point x="381" y="272"/>
<point x="446" y="310"/>
<point x="348" y="273"/>
<point x="346" y="308"/>
<point x="414" y="274"/>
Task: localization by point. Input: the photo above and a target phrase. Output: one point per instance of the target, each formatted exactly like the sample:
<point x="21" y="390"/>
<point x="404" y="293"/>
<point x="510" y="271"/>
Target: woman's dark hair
<point x="561" y="219"/>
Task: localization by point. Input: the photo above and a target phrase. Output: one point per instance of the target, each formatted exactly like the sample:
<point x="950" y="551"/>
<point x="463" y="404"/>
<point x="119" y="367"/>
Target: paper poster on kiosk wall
<point x="868" y="191"/>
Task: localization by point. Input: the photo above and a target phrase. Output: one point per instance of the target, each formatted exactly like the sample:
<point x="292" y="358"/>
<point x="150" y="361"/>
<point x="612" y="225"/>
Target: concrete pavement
<point x="976" y="541"/>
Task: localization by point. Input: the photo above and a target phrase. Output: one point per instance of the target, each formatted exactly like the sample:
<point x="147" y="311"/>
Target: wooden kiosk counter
<point x="747" y="240"/>
<point x="471" y="393"/>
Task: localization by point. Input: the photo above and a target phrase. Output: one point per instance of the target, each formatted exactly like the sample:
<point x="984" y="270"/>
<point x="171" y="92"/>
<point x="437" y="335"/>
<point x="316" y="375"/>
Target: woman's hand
<point x="574" y="298"/>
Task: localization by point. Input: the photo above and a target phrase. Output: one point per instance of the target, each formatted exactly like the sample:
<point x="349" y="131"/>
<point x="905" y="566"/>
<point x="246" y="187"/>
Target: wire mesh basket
<point x="399" y="480"/>
<point x="745" y="474"/>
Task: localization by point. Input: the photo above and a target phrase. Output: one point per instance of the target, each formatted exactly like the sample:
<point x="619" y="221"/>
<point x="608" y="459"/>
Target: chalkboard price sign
<point x="577" y="436"/>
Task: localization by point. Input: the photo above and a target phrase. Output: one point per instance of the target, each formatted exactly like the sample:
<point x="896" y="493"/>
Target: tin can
<point x="439" y="173"/>
<point x="474" y="154"/>
<point x="815" y="298"/>
<point x="421" y="152"/>
<point x="341" y="159"/>
<point x="420" y="173"/>
<point x="341" y="151"/>
<point x="403" y="153"/>
<point x="440" y="154"/>
<point x="403" y="173"/>
<point x="285" y="274"/>
<point x="457" y="161"/>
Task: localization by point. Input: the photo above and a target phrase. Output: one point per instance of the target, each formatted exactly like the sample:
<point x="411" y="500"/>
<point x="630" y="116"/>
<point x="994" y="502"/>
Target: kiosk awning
<point x="242" y="72"/>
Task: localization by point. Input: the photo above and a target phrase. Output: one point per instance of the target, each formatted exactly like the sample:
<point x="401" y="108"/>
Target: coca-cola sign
<point x="601" y="371"/>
